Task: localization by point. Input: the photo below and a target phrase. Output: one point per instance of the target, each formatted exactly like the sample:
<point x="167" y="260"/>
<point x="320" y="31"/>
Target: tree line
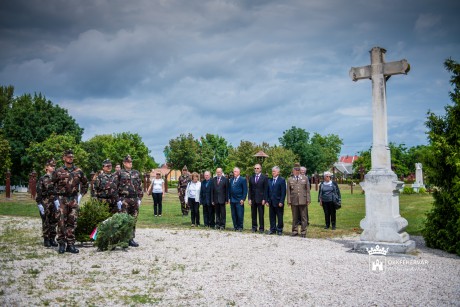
<point x="33" y="130"/>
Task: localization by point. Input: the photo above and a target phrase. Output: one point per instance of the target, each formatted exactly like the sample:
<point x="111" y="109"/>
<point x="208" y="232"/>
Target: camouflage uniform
<point x="181" y="187"/>
<point x="69" y="182"/>
<point x="46" y="194"/>
<point x="129" y="187"/>
<point x="106" y="190"/>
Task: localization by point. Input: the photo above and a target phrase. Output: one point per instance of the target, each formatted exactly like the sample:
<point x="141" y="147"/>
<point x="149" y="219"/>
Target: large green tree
<point x="281" y="157"/>
<point x="54" y="147"/>
<point x="5" y="160"/>
<point x="115" y="147"/>
<point x="243" y="157"/>
<point x="34" y="119"/>
<point x="317" y="153"/>
<point x="442" y="227"/>
<point x="183" y="151"/>
<point x="127" y="143"/>
<point x="6" y="99"/>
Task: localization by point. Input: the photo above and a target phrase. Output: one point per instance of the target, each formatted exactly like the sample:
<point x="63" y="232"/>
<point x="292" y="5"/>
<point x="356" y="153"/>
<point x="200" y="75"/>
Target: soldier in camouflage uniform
<point x="46" y="195"/>
<point x="104" y="187"/>
<point x="129" y="186"/>
<point x="182" y="183"/>
<point x="70" y="181"/>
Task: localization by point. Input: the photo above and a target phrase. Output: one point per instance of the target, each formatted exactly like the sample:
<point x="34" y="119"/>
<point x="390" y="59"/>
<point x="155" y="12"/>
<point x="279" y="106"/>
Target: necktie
<point x="274" y="181"/>
<point x="257" y="178"/>
<point x="218" y="180"/>
<point x="297" y="178"/>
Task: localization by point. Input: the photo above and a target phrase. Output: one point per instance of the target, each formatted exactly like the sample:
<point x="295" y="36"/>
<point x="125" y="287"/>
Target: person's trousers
<point x="329" y="213"/>
<point x="131" y="207"/>
<point x="276" y="213"/>
<point x="194" y="210"/>
<point x="209" y="216"/>
<point x="299" y="222"/>
<point x="49" y="219"/>
<point x="299" y="211"/>
<point x="68" y="213"/>
<point x="157" y="203"/>
<point x="237" y="215"/>
<point x="221" y="215"/>
<point x="257" y="209"/>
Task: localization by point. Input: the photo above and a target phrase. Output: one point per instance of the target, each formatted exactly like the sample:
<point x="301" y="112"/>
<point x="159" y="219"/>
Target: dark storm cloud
<point x="162" y="68"/>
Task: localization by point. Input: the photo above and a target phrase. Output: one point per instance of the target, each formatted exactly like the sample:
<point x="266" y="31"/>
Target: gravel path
<point x="208" y="267"/>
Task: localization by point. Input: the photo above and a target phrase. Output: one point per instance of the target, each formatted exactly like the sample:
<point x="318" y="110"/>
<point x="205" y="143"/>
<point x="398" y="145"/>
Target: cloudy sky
<point x="246" y="70"/>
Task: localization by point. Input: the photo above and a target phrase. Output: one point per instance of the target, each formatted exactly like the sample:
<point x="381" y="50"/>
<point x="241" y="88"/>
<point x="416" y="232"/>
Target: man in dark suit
<point x="206" y="201"/>
<point x="276" y="197"/>
<point x="219" y="197"/>
<point x="237" y="192"/>
<point x="257" y="196"/>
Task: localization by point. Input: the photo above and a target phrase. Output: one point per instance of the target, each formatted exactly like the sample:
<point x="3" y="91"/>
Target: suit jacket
<point x="219" y="192"/>
<point x="205" y="192"/>
<point x="298" y="191"/>
<point x="237" y="189"/>
<point x="276" y="192"/>
<point x="258" y="191"/>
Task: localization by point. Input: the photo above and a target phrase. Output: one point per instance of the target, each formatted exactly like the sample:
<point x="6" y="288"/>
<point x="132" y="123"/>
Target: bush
<point x="408" y="190"/>
<point x="91" y="213"/>
<point x="115" y="231"/>
<point x="172" y="184"/>
<point x="422" y="191"/>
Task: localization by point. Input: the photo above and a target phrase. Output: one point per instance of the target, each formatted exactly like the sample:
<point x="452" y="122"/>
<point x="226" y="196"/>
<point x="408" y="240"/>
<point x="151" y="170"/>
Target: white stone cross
<point x="382" y="225"/>
<point x="379" y="72"/>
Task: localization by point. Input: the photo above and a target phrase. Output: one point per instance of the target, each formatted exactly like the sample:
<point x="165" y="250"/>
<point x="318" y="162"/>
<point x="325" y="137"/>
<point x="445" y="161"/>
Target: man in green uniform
<point x="129" y="186"/>
<point x="46" y="195"/>
<point x="298" y="196"/>
<point x="182" y="183"/>
<point x="104" y="187"/>
<point x="71" y="184"/>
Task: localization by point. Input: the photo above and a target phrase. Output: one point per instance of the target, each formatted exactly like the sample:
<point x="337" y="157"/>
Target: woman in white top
<point x="192" y="198"/>
<point x="157" y="188"/>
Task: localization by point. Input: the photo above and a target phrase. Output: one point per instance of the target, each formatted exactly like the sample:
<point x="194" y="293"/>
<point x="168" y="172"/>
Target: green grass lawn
<point x="413" y="207"/>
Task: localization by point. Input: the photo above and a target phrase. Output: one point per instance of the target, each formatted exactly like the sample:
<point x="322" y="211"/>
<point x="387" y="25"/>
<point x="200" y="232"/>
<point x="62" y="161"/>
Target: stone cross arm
<point x="388" y="69"/>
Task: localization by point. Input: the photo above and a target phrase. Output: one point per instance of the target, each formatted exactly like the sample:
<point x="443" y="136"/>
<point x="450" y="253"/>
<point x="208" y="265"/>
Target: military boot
<point x="72" y="249"/>
<point x="132" y="243"/>
<point x="61" y="248"/>
<point x="53" y="242"/>
<point x="46" y="243"/>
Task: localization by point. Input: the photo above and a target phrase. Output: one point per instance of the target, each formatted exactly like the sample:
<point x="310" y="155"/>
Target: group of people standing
<point x="59" y="193"/>
<point x="261" y="192"/>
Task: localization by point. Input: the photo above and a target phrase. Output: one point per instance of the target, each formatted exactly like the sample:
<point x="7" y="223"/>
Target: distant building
<point x="345" y="165"/>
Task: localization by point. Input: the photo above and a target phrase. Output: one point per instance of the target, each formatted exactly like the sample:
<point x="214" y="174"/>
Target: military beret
<point x="51" y="162"/>
<point x="106" y="162"/>
<point x="128" y="159"/>
<point x="185" y="168"/>
<point x="68" y="152"/>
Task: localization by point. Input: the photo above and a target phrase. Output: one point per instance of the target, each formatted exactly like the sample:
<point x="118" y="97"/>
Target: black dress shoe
<point x="132" y="243"/>
<point x="280" y="233"/>
<point x="303" y="235"/>
<point x="72" y="249"/>
<point x="333" y="227"/>
<point x="61" y="248"/>
<point x="326" y="227"/>
<point x="53" y="243"/>
<point x="295" y="234"/>
<point x="271" y="232"/>
<point x="46" y="243"/>
<point x="261" y="231"/>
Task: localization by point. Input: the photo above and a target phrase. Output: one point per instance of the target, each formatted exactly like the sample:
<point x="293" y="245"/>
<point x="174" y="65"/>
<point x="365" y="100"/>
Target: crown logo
<point x="377" y="250"/>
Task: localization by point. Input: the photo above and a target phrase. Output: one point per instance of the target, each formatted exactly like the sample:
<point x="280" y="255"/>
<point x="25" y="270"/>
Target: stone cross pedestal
<point x="382" y="225"/>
